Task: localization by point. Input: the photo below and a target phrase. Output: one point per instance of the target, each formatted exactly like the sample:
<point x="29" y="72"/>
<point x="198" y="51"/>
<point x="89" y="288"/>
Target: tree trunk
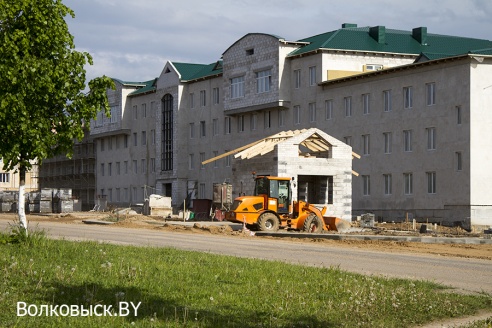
<point x="21" y="203"/>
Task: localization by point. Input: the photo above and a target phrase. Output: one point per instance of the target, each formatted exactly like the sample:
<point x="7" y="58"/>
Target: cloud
<point x="132" y="40"/>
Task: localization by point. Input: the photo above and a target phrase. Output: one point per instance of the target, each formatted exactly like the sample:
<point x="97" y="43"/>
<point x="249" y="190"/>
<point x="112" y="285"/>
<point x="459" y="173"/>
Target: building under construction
<point x="76" y="173"/>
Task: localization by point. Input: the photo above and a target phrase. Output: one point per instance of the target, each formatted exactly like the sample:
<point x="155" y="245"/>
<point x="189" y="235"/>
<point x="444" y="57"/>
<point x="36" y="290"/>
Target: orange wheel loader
<point x="271" y="207"/>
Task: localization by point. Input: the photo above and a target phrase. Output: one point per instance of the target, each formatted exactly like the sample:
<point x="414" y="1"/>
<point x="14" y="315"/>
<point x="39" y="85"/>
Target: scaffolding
<point x="77" y="173"/>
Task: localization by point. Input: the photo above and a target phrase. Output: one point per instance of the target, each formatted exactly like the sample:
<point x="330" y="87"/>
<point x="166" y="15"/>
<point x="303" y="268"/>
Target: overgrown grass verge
<point x="190" y="289"/>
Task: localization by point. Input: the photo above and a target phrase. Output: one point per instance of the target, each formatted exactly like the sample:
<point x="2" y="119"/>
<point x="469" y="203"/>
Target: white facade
<point x="421" y="128"/>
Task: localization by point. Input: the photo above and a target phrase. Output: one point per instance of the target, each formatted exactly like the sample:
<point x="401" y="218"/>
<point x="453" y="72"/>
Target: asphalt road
<point x="461" y="273"/>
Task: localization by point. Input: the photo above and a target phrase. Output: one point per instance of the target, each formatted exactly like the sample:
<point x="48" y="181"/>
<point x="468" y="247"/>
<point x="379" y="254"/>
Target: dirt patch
<point x="478" y="251"/>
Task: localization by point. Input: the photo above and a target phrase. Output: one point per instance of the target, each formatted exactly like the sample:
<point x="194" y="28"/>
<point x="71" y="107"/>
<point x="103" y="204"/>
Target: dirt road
<point x="477" y="251"/>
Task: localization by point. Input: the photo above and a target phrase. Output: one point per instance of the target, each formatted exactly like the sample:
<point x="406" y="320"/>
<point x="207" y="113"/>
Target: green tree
<point x="43" y="106"/>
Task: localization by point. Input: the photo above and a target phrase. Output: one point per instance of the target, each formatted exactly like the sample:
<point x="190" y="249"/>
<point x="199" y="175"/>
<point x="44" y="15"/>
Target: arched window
<point x="167" y="133"/>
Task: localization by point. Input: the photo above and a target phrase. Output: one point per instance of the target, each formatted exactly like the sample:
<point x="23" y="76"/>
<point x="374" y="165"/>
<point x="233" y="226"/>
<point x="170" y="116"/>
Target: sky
<point x="132" y="40"/>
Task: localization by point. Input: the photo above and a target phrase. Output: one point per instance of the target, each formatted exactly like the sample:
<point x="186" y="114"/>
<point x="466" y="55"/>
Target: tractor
<point x="271" y="208"/>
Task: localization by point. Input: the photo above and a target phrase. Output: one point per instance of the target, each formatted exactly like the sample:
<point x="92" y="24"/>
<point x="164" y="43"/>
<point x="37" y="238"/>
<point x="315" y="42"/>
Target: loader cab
<point x="277" y="193"/>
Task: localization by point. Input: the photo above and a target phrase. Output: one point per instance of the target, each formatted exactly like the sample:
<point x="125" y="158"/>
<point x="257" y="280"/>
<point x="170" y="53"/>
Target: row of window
<point x="388" y="141"/>
<point x="407" y="184"/>
<point x="263" y="84"/>
<point x="203" y="98"/>
<point x="142" y="111"/>
<point x="123" y="194"/>
<point x="115" y="140"/>
<point x="4" y="177"/>
<point x="124" y="169"/>
<point x="311" y="77"/>
<point x="191" y="160"/>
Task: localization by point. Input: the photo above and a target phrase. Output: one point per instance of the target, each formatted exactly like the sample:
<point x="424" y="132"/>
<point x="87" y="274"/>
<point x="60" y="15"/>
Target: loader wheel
<point x="268" y="222"/>
<point x="313" y="224"/>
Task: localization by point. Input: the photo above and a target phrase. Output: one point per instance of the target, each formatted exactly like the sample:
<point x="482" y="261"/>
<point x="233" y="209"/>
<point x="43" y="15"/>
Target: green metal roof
<point x="191" y="72"/>
<point x="147" y="86"/>
<point x="380" y="39"/>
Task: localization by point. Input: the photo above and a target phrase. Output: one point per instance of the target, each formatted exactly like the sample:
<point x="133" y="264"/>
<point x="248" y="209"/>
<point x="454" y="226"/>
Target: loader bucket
<point x="336" y="224"/>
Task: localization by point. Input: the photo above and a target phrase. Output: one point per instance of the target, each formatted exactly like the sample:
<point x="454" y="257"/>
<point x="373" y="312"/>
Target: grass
<point x="190" y="289"/>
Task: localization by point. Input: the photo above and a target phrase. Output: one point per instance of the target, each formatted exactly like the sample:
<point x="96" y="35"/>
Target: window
<point x="366" y="144"/>
<point x="263" y="81"/>
<point x="215" y="96"/>
<point x="191" y="161"/>
<point x="4" y="177"/>
<point x="430" y="90"/>
<point x="192" y="100"/>
<point x="312" y="112"/>
<point x="348" y="106"/>
<point x="407" y="97"/>
<point x="134" y="194"/>
<point x="431" y="138"/>
<point x="125" y="167"/>
<point x="201" y="190"/>
<point x="117" y="142"/>
<point x="240" y="123"/>
<point x="153" y="108"/>
<point x="267" y="119"/>
<point x="144" y="138"/>
<point x="216" y="163"/>
<point x="253" y="121"/>
<point x="114" y="114"/>
<point x="459" y="161"/>
<point x="281" y="117"/>
<point x="365" y="104"/>
<point x="125" y="194"/>
<point x="387" y="184"/>
<point x="102" y="144"/>
<point x="110" y="194"/>
<point x="388" y="141"/>
<point x="143" y="165"/>
<point x="297" y="114"/>
<point x="152" y="165"/>
<point x="152" y="136"/>
<point x="144" y="110"/>
<point x="312" y="75"/>
<point x="202" y="159"/>
<point x="203" y="98"/>
<point x="135" y="166"/>
<point x="167" y="133"/>
<point x="135" y="112"/>
<point x="228" y="160"/>
<point x="348" y="140"/>
<point x="215" y="126"/>
<point x="297" y="78"/>
<point x="110" y="169"/>
<point x="125" y="141"/>
<point x="102" y="169"/>
<point x="408" y="183"/>
<point x="192" y="130"/>
<point x="135" y="139"/>
<point x="118" y="197"/>
<point x="458" y="115"/>
<point x="227" y="125"/>
<point x="329" y="109"/>
<point x="387" y="100"/>
<point x="250" y="52"/>
<point x="431" y="182"/>
<point x="202" y="129"/>
<point x="118" y="168"/>
<point x="237" y="87"/>
<point x="407" y="140"/>
<point x="366" y="185"/>
<point x="110" y="143"/>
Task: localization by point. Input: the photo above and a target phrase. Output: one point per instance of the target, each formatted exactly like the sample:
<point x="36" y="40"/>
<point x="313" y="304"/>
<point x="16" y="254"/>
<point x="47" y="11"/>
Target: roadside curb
<point x="420" y="239"/>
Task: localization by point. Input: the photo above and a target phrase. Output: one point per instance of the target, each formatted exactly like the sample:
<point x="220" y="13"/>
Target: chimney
<point x="420" y="34"/>
<point x="347" y="25"/>
<point x="378" y="33"/>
